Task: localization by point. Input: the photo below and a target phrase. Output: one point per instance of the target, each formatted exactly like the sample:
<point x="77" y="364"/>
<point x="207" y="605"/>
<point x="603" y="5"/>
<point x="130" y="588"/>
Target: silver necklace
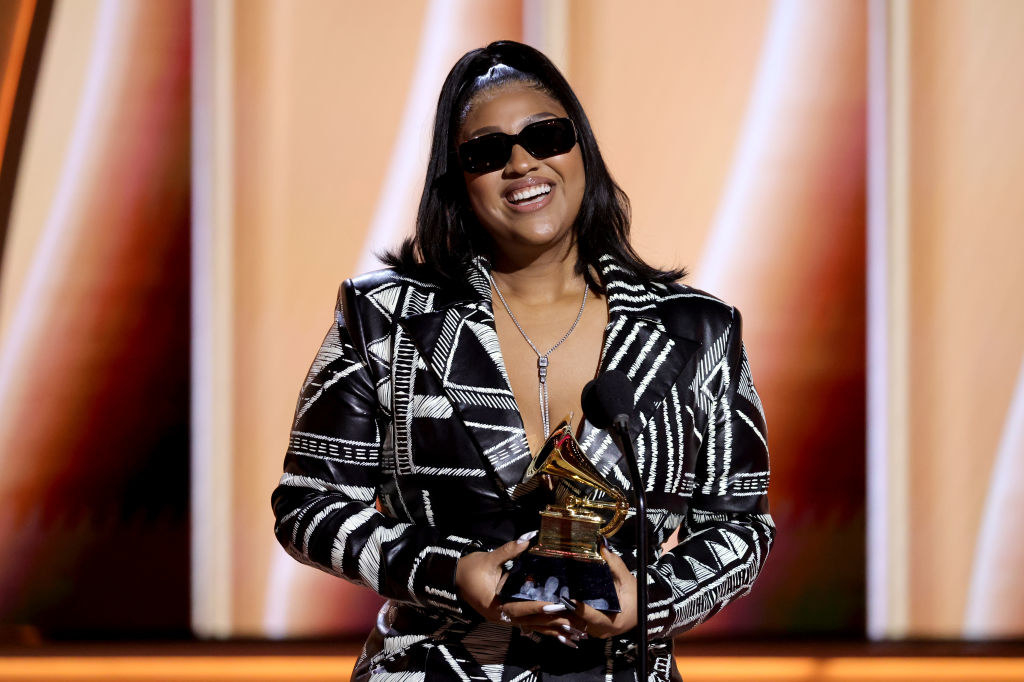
<point x="542" y="358"/>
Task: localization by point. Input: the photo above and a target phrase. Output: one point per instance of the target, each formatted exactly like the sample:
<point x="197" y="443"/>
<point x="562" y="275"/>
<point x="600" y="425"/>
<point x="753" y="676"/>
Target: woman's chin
<point x="530" y="240"/>
<point x="539" y="238"/>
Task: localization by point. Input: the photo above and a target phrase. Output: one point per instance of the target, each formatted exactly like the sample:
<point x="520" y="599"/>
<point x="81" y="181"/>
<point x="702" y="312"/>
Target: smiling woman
<point x="415" y="427"/>
<point x="536" y="200"/>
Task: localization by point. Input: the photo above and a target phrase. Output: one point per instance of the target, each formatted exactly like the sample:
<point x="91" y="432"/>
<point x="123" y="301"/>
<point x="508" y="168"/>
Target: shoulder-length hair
<point x="448" y="234"/>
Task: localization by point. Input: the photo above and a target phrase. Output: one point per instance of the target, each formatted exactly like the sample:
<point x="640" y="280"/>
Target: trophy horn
<point x="563" y="458"/>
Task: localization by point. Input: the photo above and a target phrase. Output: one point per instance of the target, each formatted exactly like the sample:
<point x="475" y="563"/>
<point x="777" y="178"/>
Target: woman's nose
<point x="521" y="161"/>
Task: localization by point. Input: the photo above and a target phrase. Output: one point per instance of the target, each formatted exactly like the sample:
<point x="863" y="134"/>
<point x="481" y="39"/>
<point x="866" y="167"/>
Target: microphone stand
<point x="620" y="429"/>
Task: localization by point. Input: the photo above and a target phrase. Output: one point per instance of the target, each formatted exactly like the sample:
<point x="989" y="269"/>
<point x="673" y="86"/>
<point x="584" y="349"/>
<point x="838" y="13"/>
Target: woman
<point x="419" y="415"/>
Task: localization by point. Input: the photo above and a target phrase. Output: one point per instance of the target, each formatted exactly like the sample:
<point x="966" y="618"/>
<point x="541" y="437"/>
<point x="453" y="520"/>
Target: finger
<point x="561" y="637"/>
<point x="514" y="548"/>
<point x="613" y="559"/>
<point x="522" y="609"/>
<point x="565" y="631"/>
<point x="547" y="632"/>
<point x="584" y="616"/>
<point x="568" y="641"/>
<point x="538" y="622"/>
<point x="501" y="582"/>
<point x="573" y="632"/>
<point x="590" y="620"/>
<point x="588" y="615"/>
<point x="616" y="564"/>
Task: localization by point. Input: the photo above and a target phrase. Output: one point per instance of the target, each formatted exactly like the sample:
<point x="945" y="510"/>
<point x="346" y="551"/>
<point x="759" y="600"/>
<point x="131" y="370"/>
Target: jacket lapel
<point x="459" y="343"/>
<point x="644" y="340"/>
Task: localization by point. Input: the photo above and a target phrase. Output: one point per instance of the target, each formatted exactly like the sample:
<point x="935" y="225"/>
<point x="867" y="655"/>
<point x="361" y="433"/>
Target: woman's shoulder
<point x="389" y="278"/>
<point x="635" y="292"/>
<point x="694" y="310"/>
<point x="384" y="293"/>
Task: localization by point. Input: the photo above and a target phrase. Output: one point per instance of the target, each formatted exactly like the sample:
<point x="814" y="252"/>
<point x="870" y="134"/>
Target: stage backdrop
<point x="94" y="318"/>
<point x="184" y="186"/>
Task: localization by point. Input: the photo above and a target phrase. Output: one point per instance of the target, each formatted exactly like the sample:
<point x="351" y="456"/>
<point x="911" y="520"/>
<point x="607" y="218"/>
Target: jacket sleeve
<point x="727" y="531"/>
<point x="324" y="505"/>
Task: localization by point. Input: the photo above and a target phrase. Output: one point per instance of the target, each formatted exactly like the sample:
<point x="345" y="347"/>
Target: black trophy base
<point x="554" y="579"/>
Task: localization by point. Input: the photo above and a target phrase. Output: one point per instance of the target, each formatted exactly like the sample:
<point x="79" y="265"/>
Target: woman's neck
<point x="540" y="280"/>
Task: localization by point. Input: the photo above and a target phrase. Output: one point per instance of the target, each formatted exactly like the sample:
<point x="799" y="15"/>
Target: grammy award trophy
<point x="566" y="564"/>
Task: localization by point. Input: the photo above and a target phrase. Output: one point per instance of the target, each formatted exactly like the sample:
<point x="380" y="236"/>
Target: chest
<point x="570" y="365"/>
<point x="458" y="437"/>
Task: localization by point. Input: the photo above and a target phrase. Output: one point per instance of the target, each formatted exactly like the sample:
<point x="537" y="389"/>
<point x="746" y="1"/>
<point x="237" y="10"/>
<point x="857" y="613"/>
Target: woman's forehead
<point x="507" y="109"/>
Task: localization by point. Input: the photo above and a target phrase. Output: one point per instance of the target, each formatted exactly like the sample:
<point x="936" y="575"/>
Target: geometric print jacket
<point x="407" y="450"/>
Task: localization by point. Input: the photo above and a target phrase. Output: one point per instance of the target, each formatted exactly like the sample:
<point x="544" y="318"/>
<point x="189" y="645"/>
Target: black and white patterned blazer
<point x="407" y="448"/>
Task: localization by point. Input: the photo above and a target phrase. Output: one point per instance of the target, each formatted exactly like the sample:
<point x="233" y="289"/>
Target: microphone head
<point x="607" y="397"/>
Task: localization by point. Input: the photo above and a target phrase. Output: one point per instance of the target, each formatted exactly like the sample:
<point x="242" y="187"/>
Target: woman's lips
<point x="532" y="203"/>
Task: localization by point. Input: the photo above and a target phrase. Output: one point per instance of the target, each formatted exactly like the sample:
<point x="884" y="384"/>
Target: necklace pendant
<point x="542" y="367"/>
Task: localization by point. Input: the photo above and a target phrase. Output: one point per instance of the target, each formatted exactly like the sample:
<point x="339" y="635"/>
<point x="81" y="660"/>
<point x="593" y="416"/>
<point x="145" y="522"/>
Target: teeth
<point x="529" y="193"/>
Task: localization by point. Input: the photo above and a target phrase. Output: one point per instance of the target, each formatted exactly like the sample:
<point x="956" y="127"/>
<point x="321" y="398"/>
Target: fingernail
<point x="569" y="603"/>
<point x="554" y="608"/>
<point x="604" y="541"/>
<point x="573" y="632"/>
<point x="567" y="642"/>
<point x="526" y="537"/>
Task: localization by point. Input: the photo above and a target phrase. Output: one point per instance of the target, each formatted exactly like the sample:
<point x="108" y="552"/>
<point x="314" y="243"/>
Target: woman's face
<point x="538" y="222"/>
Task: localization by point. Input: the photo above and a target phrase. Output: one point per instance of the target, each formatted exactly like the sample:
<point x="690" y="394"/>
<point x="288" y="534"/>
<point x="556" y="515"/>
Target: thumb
<point x="615" y="563"/>
<point x="514" y="548"/>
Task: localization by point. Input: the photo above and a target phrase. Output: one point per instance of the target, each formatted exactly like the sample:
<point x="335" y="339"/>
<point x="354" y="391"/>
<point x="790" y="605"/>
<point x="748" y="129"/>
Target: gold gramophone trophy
<point x="566" y="564"/>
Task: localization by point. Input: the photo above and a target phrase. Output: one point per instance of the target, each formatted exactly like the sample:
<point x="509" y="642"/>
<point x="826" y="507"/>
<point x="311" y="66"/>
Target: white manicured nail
<point x="554" y="608"/>
<point x="526" y="537"/>
<point x="567" y="642"/>
<point x="573" y="632"/>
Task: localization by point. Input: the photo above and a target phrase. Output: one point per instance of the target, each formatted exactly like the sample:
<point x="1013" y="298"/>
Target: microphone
<point x="607" y="401"/>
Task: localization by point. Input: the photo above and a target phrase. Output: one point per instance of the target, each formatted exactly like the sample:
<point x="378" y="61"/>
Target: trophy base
<point x="569" y="534"/>
<point x="549" y="578"/>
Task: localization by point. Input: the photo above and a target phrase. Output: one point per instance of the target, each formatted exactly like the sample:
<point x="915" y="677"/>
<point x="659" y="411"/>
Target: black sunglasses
<point x="550" y="137"/>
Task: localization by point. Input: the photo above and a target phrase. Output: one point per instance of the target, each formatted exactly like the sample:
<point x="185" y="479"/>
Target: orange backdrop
<point x="188" y="182"/>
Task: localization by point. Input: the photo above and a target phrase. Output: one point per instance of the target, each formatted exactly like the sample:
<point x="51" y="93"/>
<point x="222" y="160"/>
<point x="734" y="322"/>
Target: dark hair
<point x="448" y="234"/>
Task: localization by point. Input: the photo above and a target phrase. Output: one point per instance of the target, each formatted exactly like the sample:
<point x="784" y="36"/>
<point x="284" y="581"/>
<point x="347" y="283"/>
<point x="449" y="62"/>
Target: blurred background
<point x="185" y="184"/>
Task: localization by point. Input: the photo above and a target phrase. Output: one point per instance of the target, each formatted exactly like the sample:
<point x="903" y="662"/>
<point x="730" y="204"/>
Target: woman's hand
<point x="479" y="576"/>
<point x="568" y="626"/>
<point x="603" y="625"/>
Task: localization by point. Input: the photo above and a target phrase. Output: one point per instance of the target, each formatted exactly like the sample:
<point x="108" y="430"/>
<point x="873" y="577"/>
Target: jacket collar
<point x="458" y="341"/>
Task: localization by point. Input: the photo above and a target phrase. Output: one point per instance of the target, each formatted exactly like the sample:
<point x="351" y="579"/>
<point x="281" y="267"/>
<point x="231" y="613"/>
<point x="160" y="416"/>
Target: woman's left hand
<point x="586" y="619"/>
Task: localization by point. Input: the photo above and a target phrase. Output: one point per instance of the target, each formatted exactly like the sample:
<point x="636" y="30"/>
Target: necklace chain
<point x="542" y="358"/>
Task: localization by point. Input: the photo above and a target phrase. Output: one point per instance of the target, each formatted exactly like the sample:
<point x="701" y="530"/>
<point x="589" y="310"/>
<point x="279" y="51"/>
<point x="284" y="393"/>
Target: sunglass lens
<point x="485" y="153"/>
<point x="548" y="138"/>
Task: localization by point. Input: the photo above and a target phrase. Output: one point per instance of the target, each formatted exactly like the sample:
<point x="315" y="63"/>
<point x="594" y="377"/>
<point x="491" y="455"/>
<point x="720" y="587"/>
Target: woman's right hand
<point x="479" y="576"/>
